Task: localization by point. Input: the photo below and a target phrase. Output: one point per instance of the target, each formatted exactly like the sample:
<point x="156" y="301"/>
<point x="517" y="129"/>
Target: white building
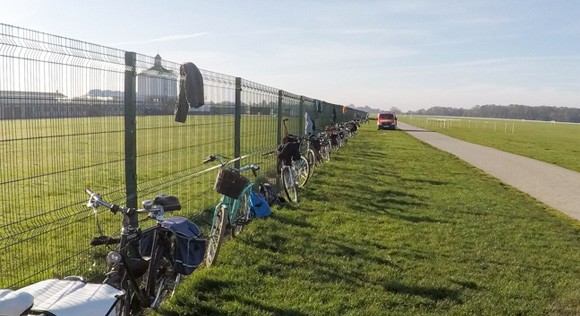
<point x="157" y="85"/>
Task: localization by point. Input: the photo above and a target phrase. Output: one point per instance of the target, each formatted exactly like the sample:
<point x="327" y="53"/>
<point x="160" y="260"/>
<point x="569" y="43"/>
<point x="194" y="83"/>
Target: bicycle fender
<point x="72" y="297"/>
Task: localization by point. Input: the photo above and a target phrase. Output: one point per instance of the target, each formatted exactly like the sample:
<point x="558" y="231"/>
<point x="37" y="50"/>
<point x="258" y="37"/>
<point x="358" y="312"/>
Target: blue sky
<point x="409" y="54"/>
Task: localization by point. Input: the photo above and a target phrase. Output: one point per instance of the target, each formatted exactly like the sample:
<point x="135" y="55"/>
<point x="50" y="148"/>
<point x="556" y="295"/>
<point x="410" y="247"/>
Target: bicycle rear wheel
<point x="216" y="235"/>
<point x="289" y="184"/>
<point x="304" y="171"/>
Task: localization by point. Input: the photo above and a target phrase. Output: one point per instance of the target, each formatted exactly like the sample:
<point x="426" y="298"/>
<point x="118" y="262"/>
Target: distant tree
<point x="512" y="111"/>
<point x="367" y="109"/>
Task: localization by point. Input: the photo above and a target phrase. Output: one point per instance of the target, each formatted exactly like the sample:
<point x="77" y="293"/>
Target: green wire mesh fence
<point x="76" y="115"/>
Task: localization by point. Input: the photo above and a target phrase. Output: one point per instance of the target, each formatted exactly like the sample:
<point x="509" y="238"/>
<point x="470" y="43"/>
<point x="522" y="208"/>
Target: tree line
<point x="512" y="111"/>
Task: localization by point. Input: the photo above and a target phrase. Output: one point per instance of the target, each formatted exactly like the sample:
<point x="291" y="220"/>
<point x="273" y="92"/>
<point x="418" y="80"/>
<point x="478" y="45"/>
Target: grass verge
<point x="555" y="143"/>
<point x="392" y="226"/>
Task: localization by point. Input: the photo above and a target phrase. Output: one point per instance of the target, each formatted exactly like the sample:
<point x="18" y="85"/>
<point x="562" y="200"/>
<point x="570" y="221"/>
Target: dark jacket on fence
<point x="190" y="91"/>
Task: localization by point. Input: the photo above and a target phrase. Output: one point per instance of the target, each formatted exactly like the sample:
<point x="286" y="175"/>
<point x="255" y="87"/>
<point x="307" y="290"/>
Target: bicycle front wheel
<point x="216" y="235"/>
<point x="289" y="184"/>
<point x="311" y="158"/>
<point x="243" y="213"/>
<point x="161" y="277"/>
<point x="130" y="304"/>
<point x="303" y="171"/>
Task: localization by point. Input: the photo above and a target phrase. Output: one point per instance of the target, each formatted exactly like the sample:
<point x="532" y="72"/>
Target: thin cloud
<point x="169" y="38"/>
<point x="497" y="61"/>
<point x="382" y="32"/>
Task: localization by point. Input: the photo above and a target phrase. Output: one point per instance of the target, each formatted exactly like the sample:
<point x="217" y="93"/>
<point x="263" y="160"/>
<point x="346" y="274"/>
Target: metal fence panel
<point x="60" y="107"/>
<point x="76" y="115"/>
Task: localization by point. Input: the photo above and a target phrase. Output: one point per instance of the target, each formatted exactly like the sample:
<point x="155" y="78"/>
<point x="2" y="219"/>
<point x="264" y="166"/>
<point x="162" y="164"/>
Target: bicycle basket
<point x="230" y="183"/>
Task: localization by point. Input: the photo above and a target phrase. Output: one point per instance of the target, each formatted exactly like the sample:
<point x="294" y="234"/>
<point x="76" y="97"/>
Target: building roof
<point x="158" y="69"/>
<point x="35" y="95"/>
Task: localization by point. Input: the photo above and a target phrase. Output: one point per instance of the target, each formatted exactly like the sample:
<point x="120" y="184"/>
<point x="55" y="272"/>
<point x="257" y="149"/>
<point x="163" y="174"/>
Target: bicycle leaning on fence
<point x="325" y="147"/>
<point x="233" y="210"/>
<point x="309" y="148"/>
<point x="144" y="268"/>
<point x="293" y="168"/>
<point x="148" y="264"/>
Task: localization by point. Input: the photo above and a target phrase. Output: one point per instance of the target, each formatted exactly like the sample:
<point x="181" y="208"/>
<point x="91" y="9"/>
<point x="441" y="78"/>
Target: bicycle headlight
<point x="113" y="258"/>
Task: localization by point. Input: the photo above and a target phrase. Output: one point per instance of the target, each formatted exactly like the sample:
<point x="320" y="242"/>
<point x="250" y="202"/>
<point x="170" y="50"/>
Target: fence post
<point x="238" y="121"/>
<point x="279" y="132"/>
<point x="280" y="99"/>
<point x="301" y="117"/>
<point x="130" y="129"/>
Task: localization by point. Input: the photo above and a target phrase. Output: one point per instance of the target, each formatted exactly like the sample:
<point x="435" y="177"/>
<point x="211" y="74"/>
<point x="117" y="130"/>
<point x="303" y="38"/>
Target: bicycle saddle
<point x="169" y="202"/>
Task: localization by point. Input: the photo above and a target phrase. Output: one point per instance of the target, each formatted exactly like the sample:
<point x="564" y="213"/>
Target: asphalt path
<point x="554" y="186"/>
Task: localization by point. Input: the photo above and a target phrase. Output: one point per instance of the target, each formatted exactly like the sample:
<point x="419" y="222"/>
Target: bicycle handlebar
<point x="223" y="162"/>
<point x="95" y="201"/>
<point x="254" y="167"/>
<point x="209" y="159"/>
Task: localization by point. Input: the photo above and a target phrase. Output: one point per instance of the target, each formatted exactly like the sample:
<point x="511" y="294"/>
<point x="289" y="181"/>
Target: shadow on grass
<point x="347" y="249"/>
<point x="264" y="308"/>
<point x="432" y="293"/>
<point x="275" y="243"/>
<point x="283" y="219"/>
<point x="207" y="290"/>
<point x="431" y="182"/>
<point x="363" y="198"/>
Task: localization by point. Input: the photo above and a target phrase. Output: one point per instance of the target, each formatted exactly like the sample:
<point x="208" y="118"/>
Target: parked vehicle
<point x="386" y="120"/>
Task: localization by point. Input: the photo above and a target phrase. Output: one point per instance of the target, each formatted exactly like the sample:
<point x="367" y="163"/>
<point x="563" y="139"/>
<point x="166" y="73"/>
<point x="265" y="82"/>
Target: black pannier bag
<point x="315" y="142"/>
<point x="289" y="150"/>
<point x="352" y="127"/>
<point x="334" y="139"/>
<point x="270" y="193"/>
<point x="189" y="247"/>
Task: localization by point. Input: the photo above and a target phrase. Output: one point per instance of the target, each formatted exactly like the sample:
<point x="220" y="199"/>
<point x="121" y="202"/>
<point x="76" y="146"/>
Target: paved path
<point x="552" y="185"/>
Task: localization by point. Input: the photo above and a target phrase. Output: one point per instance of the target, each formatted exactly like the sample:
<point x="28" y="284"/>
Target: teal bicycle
<point x="233" y="210"/>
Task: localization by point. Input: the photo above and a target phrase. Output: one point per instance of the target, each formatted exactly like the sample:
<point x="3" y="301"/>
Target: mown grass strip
<point x="392" y="226"/>
<point x="556" y="143"/>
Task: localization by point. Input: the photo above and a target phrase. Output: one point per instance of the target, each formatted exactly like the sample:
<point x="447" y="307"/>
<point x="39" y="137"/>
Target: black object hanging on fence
<point x="190" y="91"/>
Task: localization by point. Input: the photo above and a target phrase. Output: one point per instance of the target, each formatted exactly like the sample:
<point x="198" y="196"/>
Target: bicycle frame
<point x="233" y="205"/>
<point x="133" y="282"/>
<point x="130" y="272"/>
<point x="227" y="210"/>
<point x="128" y="264"/>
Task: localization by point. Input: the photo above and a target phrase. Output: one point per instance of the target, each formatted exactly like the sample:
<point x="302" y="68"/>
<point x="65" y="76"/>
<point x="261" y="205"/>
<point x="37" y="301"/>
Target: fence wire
<point x="63" y="109"/>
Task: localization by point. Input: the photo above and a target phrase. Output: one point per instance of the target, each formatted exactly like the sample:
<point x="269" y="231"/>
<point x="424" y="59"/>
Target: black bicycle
<point x="148" y="264"/>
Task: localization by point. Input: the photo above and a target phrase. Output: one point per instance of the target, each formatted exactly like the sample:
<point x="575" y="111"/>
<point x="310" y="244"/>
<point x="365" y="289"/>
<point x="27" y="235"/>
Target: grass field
<point x="556" y="143"/>
<point x="45" y="228"/>
<point x="394" y="227"/>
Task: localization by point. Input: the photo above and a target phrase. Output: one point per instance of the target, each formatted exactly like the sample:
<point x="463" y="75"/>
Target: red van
<point x="386" y="120"/>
